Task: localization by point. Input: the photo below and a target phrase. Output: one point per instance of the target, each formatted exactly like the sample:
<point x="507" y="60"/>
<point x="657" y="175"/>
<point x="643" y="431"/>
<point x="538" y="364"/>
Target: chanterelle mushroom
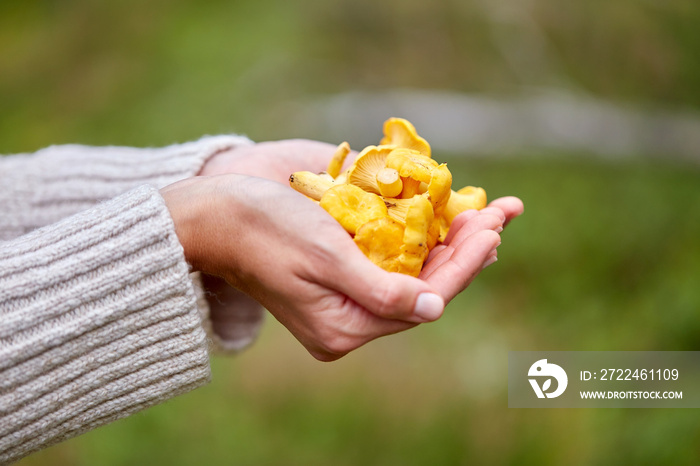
<point x="380" y="240"/>
<point x="310" y="184"/>
<point x="467" y="198"/>
<point x="368" y="166"/>
<point x="395" y="200"/>
<point x="352" y="207"/>
<point x="399" y="245"/>
<point x="336" y="163"/>
<point x="389" y="182"/>
<point x="414" y="249"/>
<point x="414" y="168"/>
<point x="401" y="133"/>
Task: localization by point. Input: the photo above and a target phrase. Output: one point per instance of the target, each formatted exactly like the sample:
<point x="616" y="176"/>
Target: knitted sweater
<point x="99" y="315"/>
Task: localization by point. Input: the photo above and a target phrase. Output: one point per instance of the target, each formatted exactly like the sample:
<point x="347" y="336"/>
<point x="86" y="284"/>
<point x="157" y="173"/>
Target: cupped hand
<point x="296" y="260"/>
<point x="273" y="160"/>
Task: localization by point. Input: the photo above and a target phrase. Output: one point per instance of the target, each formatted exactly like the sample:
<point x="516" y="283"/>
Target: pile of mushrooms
<point x="395" y="200"/>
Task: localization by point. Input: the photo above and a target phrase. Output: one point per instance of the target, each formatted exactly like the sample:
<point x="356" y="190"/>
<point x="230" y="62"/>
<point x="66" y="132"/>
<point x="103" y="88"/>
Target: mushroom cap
<point x="380" y="240"/>
<point x="352" y="207"/>
<point x="434" y="233"/>
<point x="411" y="164"/>
<point x="469" y="197"/>
<point x="363" y="172"/>
<point x="440" y="188"/>
<point x="401" y="133"/>
<point x="414" y="250"/>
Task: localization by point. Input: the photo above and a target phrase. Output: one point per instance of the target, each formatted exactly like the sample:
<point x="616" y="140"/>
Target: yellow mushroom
<point x="380" y="240"/>
<point x="394" y="200"/>
<point x="440" y="188"/>
<point x="414" y="168"/>
<point x="327" y="176"/>
<point x="401" y="133"/>
<point x="434" y="232"/>
<point x="437" y="192"/>
<point x="370" y="164"/>
<point x="411" y="163"/>
<point x="336" y="163"/>
<point x="397" y="208"/>
<point x="389" y="182"/>
<point x="414" y="249"/>
<point x="352" y="207"/>
<point x="342" y="178"/>
<point x="467" y="198"/>
<point x="310" y="184"/>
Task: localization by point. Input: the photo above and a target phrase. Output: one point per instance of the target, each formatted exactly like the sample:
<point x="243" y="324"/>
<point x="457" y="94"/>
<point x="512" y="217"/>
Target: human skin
<point x="241" y="222"/>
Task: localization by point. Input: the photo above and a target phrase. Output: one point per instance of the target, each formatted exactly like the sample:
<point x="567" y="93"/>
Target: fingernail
<point x="429" y="307"/>
<point x="498" y="229"/>
<point x="489" y="262"/>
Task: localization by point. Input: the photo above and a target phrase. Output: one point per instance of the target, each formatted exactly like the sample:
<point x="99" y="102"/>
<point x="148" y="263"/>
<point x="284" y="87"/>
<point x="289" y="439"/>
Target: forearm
<point x="41" y="188"/>
<point x="99" y="321"/>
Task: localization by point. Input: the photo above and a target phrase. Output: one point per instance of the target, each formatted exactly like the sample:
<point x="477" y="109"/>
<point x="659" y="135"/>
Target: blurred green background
<point x="606" y="256"/>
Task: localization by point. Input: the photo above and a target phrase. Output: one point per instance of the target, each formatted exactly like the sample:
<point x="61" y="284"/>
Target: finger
<point x="436" y="260"/>
<point x="465" y="262"/>
<point x="458" y="222"/>
<point x="510" y="205"/>
<point x="490" y="259"/>
<point x="463" y="230"/>
<point x="442" y="253"/>
<point x="467" y="223"/>
<point x="494" y="210"/>
<point x="387" y="295"/>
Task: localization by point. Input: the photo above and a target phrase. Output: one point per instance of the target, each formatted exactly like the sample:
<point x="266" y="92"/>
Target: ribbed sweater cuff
<point x="98" y="319"/>
<point x="59" y="181"/>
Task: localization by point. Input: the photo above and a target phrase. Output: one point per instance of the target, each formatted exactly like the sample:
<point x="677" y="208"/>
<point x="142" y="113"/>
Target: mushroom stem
<point x="411" y="187"/>
<point x="310" y="184"/>
<point x="352" y="207"/>
<point x="327" y="176"/>
<point x="389" y="182"/>
<point x="336" y="163"/>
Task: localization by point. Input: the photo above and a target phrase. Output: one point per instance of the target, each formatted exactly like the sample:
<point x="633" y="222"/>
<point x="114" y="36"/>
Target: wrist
<point x="182" y="200"/>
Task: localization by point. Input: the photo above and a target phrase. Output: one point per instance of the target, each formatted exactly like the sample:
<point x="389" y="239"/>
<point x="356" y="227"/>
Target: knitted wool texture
<point x="99" y="316"/>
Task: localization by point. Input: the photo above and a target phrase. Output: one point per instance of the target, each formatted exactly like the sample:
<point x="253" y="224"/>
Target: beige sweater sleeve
<point x="98" y="319"/>
<point x="44" y="187"/>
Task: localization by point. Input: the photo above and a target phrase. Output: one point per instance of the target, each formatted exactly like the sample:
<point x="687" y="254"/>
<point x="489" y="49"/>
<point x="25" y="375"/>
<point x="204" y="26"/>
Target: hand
<point x="273" y="160"/>
<point x="295" y="259"/>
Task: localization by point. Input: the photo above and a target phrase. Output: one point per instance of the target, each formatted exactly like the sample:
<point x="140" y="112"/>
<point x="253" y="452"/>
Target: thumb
<point x="387" y="294"/>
